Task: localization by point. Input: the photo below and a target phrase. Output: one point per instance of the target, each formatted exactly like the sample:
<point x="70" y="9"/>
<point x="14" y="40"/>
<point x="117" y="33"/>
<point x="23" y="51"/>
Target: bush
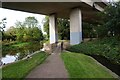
<point x="107" y="47"/>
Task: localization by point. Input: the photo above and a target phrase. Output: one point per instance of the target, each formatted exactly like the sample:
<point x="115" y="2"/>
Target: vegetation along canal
<point x="16" y="51"/>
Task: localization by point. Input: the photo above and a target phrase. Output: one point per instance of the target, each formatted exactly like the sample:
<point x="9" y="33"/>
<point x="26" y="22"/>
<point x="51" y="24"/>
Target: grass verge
<point x="22" y="68"/>
<point x="107" y="47"/>
<point x="82" y="66"/>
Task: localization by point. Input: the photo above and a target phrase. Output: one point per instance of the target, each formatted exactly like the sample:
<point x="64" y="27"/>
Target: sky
<point x="13" y="16"/>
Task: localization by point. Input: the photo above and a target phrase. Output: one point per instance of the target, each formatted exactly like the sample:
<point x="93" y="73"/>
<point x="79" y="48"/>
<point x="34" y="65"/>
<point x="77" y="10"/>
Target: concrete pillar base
<point x="75" y="27"/>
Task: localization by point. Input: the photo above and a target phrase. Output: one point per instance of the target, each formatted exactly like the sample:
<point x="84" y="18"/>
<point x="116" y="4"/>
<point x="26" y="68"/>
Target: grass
<point x="22" y="68"/>
<point x="82" y="66"/>
<point x="107" y="47"/>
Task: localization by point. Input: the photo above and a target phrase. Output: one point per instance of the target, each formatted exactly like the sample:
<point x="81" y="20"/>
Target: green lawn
<point x="22" y="68"/>
<point x="106" y="47"/>
<point x="83" y="66"/>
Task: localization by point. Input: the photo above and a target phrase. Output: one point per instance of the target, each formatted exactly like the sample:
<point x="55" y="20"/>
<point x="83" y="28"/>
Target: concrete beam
<point x="53" y="0"/>
<point x="62" y="9"/>
<point x="93" y="4"/>
<point x="53" y="29"/>
<point x="75" y="26"/>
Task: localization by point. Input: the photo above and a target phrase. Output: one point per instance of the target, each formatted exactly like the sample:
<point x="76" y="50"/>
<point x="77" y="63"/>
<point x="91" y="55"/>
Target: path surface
<point x="53" y="67"/>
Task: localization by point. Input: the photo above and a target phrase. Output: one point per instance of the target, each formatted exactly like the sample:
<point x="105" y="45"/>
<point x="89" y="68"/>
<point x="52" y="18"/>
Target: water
<point x="12" y="58"/>
<point x="9" y="59"/>
<point x="12" y="54"/>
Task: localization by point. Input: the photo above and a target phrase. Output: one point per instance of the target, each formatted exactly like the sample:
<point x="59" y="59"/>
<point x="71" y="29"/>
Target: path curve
<point x="53" y="67"/>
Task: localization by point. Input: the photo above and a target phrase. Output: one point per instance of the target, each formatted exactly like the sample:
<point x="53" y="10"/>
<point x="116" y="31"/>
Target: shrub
<point x="107" y="47"/>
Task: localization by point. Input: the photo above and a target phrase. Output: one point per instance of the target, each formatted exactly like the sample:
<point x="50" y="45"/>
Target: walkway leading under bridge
<point x="75" y="10"/>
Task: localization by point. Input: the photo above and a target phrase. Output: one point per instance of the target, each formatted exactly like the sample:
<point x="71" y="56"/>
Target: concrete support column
<point x="53" y="29"/>
<point x="75" y="26"/>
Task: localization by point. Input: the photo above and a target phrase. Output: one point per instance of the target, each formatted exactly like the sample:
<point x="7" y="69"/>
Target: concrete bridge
<point x="75" y="10"/>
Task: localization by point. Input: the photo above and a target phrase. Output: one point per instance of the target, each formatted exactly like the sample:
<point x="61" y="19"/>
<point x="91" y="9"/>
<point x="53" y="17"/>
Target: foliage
<point x="83" y="66"/>
<point x="2" y="24"/>
<point x="12" y="48"/>
<point x="108" y="24"/>
<point x="28" y="30"/>
<point x="31" y="22"/>
<point x="46" y="38"/>
<point x="111" y="20"/>
<point x="10" y="34"/>
<point x="101" y="31"/>
<point x="24" y="31"/>
<point x="62" y="27"/>
<point x="89" y="30"/>
<point x="107" y="47"/>
<point x="46" y="25"/>
<point x="20" y="31"/>
<point x="37" y="34"/>
<point x="20" y="69"/>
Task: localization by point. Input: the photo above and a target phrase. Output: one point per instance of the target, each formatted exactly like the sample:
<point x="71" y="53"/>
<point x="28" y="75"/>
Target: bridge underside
<point x="75" y="11"/>
<point x="62" y="9"/>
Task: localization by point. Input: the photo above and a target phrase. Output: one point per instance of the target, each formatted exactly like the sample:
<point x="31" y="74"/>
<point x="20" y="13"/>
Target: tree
<point x="46" y="25"/>
<point x="111" y="17"/>
<point x="63" y="27"/>
<point x="28" y="30"/>
<point x="20" y="30"/>
<point x="37" y="34"/>
<point x="11" y="33"/>
<point x="89" y="30"/>
<point x="2" y="26"/>
<point x="31" y="22"/>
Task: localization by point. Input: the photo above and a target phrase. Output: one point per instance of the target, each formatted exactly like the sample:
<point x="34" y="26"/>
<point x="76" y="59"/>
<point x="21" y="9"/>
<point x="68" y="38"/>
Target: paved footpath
<point x="52" y="67"/>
